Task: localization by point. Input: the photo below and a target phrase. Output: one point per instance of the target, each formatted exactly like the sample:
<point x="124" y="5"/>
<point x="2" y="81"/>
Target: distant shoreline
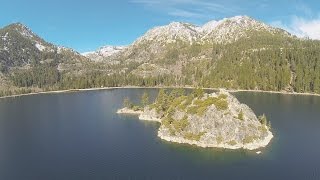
<point x="276" y="92"/>
<point x="157" y="87"/>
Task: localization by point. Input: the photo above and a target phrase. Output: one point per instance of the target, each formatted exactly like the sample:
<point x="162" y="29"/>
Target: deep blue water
<point x="78" y="136"/>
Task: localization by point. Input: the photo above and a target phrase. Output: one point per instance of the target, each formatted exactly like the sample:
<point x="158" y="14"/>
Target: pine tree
<point x="198" y="93"/>
<point x="127" y="103"/>
<point x="263" y="120"/>
<point x="240" y="115"/>
<point x="161" y="96"/>
<point x="161" y="100"/>
<point x="269" y="125"/>
<point x="145" y="99"/>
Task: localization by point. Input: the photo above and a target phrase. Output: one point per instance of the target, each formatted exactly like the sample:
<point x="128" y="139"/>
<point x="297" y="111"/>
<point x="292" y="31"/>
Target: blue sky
<point x="86" y="25"/>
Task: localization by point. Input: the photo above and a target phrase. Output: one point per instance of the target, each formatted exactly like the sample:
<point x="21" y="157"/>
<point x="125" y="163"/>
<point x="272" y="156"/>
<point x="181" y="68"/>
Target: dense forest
<point x="295" y="68"/>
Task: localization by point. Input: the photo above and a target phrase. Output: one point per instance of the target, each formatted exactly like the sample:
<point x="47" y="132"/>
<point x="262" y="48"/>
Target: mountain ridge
<point x="234" y="53"/>
<point x="190" y="32"/>
<point x="213" y="31"/>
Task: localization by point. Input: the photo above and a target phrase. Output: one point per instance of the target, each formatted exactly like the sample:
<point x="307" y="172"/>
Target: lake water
<point x="78" y="136"/>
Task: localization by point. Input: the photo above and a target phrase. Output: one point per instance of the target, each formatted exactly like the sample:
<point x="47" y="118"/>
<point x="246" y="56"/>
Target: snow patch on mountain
<point x="40" y="46"/>
<point x="103" y="52"/>
<point x="209" y="27"/>
<point x="60" y="49"/>
<point x="24" y="30"/>
<point x="171" y="33"/>
<point x="4" y="38"/>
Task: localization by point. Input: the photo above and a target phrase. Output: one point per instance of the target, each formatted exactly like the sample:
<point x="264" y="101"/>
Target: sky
<point x="85" y="25"/>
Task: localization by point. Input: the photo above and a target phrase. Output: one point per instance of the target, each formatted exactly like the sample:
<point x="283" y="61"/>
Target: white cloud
<point x="184" y="13"/>
<point x="301" y="27"/>
<point x="309" y="28"/>
<point x="188" y="8"/>
<point x="146" y="2"/>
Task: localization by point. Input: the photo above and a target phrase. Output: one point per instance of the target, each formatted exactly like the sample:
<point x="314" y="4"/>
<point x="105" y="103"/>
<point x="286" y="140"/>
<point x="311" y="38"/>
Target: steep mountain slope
<point x="26" y="60"/>
<point x="19" y="47"/>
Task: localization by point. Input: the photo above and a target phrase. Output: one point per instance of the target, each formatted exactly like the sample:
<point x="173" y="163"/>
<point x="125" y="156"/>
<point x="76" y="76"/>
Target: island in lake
<point x="205" y="120"/>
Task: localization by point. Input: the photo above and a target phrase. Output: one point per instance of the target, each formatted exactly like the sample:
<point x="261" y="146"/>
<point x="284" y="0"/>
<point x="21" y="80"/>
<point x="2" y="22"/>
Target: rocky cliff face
<point x="233" y="127"/>
<point x="150" y="114"/>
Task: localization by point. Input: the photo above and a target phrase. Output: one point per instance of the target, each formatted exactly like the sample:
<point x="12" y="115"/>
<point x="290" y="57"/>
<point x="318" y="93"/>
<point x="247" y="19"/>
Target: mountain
<point x="20" y="47"/>
<point x="223" y="31"/>
<point x="238" y="52"/>
<point x="103" y="52"/>
<point x="231" y="29"/>
<point x="27" y="60"/>
<point x="165" y="40"/>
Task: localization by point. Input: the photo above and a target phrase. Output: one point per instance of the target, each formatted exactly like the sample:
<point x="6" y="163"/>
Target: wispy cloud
<point x="184" y="13"/>
<point x="307" y="24"/>
<point x="146" y="2"/>
<point x="307" y="27"/>
<point x="188" y="8"/>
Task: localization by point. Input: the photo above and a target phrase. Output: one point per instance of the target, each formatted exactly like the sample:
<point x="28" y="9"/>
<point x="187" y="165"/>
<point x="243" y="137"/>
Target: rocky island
<point x="205" y="120"/>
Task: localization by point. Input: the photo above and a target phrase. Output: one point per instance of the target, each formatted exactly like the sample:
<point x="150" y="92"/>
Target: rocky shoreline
<point x="129" y="111"/>
<point x="251" y="146"/>
<point x="215" y="128"/>
<point x="145" y="117"/>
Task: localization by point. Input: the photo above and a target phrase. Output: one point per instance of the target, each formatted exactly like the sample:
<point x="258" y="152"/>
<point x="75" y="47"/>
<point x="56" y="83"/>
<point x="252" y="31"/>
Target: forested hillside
<point x="237" y="53"/>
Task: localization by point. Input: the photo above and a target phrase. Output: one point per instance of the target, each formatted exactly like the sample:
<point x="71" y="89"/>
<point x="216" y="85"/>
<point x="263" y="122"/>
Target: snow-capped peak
<point x="236" y="20"/>
<point x="172" y="32"/>
<point x="103" y="52"/>
<point x="26" y="33"/>
<point x="23" y="30"/>
<point x="209" y="26"/>
<point x="222" y="31"/>
<point x="109" y="50"/>
<point x="191" y="33"/>
<point x="231" y="29"/>
<point x="244" y="21"/>
<point x="240" y="19"/>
